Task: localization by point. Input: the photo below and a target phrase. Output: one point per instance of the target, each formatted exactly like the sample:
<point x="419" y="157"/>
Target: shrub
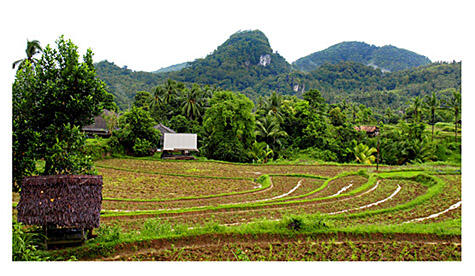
<point x="25" y="244"/>
<point x="156" y="228"/>
<point x="143" y="147"/>
<point x="108" y="233"/>
<point x="305" y="223"/>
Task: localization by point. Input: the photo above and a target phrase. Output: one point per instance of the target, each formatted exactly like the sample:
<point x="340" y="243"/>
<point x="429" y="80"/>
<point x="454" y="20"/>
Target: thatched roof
<point x="61" y="200"/>
<point x="370" y="130"/>
<point x="100" y="125"/>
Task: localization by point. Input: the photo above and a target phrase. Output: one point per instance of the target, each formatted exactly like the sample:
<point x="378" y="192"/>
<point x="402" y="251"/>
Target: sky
<point x="148" y="35"/>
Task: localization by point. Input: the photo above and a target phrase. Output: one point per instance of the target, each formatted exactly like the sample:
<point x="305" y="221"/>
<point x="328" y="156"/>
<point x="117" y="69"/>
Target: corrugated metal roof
<point x="164" y="129"/>
<point x="180" y="141"/>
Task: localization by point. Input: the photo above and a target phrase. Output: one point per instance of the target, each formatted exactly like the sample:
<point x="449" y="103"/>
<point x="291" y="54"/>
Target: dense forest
<point x="231" y="127"/>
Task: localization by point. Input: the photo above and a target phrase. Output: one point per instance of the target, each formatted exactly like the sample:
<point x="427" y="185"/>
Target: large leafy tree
<point x="315" y="100"/>
<point x="229" y="124"/>
<point x="136" y="132"/>
<point x="32" y="48"/>
<point x="144" y="100"/>
<point x="51" y="101"/>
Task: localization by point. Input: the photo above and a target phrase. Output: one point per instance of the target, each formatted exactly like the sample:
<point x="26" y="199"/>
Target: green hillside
<point x="355" y="82"/>
<point x="386" y="58"/>
<point x="238" y="64"/>
<point x="247" y="63"/>
<point x="124" y="83"/>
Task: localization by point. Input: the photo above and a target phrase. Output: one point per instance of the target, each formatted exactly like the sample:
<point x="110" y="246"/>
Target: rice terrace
<point x="204" y="210"/>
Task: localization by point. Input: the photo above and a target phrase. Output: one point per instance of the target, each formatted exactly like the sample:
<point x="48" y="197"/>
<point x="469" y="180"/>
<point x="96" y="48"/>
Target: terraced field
<point x="324" y="212"/>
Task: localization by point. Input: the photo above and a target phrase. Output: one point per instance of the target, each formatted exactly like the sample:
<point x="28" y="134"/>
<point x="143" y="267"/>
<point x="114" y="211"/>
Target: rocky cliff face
<point x="264" y="60"/>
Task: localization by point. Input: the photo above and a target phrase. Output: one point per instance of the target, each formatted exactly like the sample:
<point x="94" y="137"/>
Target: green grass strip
<point x="323" y="186"/>
<point x="299" y="175"/>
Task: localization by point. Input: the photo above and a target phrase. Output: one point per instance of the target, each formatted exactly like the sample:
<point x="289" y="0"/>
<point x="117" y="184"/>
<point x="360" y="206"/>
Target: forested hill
<point x="246" y="63"/>
<point x="124" y="83"/>
<point x="238" y="64"/>
<point x="355" y="82"/>
<point x="386" y="58"/>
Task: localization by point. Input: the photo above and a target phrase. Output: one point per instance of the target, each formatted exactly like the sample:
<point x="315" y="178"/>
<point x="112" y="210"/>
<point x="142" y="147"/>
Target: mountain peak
<point x="387" y="58"/>
<point x="244" y="59"/>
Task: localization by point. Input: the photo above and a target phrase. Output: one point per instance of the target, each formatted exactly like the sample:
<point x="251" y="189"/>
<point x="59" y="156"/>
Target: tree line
<point x="231" y="127"/>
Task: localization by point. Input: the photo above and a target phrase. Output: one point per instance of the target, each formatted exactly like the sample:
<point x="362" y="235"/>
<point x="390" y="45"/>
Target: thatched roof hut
<point x="370" y="130"/>
<point x="99" y="127"/>
<point x="61" y="200"/>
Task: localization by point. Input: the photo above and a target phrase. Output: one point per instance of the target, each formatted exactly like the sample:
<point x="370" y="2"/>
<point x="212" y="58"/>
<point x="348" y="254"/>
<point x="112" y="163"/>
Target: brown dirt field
<point x="122" y="184"/>
<point x="226" y="170"/>
<point x="274" y="247"/>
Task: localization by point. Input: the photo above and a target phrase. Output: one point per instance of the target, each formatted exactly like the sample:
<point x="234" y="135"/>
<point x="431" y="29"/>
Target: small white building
<point x="176" y="142"/>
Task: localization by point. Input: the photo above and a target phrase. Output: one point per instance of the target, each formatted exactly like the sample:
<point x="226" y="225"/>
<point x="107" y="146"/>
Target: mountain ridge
<point x="247" y="63"/>
<point x="388" y="58"/>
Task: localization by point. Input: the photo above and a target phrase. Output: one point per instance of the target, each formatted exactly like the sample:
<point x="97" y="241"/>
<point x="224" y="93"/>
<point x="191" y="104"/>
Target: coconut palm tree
<point x="455" y="103"/>
<point x="364" y="154"/>
<point x="416" y="107"/>
<point x="32" y="48"/>
<point x="268" y="130"/>
<point x="169" y="91"/>
<point x="432" y="103"/>
<point x="273" y="105"/>
<point x="192" y="102"/>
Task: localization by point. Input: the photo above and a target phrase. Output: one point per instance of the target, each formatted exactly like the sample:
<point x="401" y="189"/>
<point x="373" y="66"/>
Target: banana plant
<point x="364" y="154"/>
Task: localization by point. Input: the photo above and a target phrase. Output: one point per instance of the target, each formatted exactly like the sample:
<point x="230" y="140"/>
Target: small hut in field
<point x="70" y="201"/>
<point x="183" y="143"/>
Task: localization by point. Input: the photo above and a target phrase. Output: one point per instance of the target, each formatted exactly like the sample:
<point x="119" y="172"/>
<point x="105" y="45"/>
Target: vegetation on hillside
<point x="388" y="58"/>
